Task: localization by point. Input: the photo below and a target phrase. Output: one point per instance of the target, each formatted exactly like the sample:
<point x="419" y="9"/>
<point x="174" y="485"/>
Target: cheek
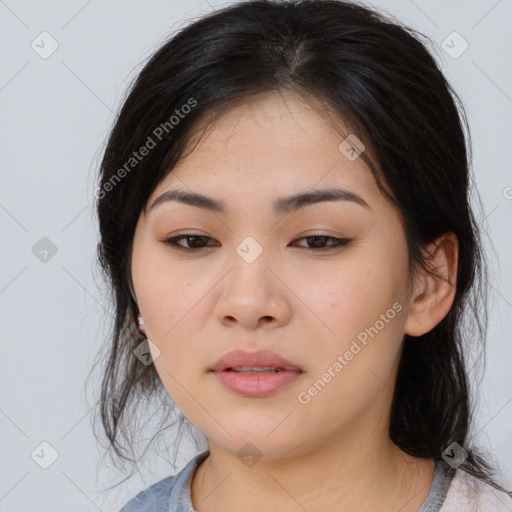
<point x="170" y="301"/>
<point x="366" y="316"/>
<point x="164" y="293"/>
<point x="363" y="311"/>
<point x="351" y="299"/>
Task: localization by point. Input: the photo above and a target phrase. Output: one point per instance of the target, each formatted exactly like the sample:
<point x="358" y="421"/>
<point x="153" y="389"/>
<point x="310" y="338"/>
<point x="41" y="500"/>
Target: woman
<point x="285" y="222"/>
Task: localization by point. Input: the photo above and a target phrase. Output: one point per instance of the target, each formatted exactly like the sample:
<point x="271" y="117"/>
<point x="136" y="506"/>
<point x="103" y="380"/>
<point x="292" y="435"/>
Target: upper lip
<point x="257" y="358"/>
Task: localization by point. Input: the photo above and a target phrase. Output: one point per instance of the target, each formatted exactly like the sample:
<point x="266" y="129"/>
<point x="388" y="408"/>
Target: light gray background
<point x="55" y="116"/>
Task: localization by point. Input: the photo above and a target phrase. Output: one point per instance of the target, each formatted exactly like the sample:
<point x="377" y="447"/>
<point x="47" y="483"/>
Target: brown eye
<point x="194" y="241"/>
<point x="318" y="242"/>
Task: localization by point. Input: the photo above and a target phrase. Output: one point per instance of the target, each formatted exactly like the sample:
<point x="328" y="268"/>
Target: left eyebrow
<point x="287" y="204"/>
<point x="280" y="206"/>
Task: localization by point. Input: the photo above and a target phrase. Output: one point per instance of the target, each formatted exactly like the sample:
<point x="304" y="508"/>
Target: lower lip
<point x="256" y="384"/>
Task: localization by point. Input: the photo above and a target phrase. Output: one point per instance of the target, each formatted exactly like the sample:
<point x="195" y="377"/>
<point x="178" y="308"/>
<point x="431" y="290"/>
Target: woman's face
<point x="337" y="313"/>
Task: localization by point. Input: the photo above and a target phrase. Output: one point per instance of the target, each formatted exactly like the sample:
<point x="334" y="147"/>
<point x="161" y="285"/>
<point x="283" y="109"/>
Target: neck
<point x="343" y="473"/>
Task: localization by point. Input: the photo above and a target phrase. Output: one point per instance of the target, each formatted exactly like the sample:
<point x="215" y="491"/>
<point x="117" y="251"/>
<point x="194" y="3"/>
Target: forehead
<point x="272" y="143"/>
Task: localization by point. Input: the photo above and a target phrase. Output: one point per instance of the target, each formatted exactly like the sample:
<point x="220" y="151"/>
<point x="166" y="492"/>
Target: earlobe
<point x="140" y="321"/>
<point x="434" y="291"/>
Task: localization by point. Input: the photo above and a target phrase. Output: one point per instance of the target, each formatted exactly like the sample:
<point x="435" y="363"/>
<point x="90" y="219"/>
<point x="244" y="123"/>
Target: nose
<point x="253" y="296"/>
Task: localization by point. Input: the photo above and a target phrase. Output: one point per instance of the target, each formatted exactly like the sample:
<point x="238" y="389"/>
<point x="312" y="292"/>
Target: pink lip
<point x="258" y="358"/>
<point x="254" y="385"/>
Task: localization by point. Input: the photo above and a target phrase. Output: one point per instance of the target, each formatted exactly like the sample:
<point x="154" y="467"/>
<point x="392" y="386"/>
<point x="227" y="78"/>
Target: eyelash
<point x="338" y="242"/>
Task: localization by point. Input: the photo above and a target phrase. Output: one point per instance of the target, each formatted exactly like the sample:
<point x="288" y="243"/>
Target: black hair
<point x="379" y="78"/>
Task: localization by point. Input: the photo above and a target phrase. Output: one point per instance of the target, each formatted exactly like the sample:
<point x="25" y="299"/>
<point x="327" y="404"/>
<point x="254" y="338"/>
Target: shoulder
<point x="153" y="499"/>
<point x="168" y="494"/>
<point x="470" y="494"/>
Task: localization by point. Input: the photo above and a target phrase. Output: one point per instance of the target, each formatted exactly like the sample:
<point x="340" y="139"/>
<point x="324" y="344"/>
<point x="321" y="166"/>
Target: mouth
<point x="255" y="369"/>
<point x="254" y="374"/>
<point x="261" y="361"/>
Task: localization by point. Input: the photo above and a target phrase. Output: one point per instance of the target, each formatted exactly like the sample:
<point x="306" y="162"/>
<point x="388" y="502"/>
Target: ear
<point x="433" y="295"/>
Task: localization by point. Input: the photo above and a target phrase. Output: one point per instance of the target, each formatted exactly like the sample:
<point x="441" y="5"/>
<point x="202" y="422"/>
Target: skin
<point x="307" y="305"/>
